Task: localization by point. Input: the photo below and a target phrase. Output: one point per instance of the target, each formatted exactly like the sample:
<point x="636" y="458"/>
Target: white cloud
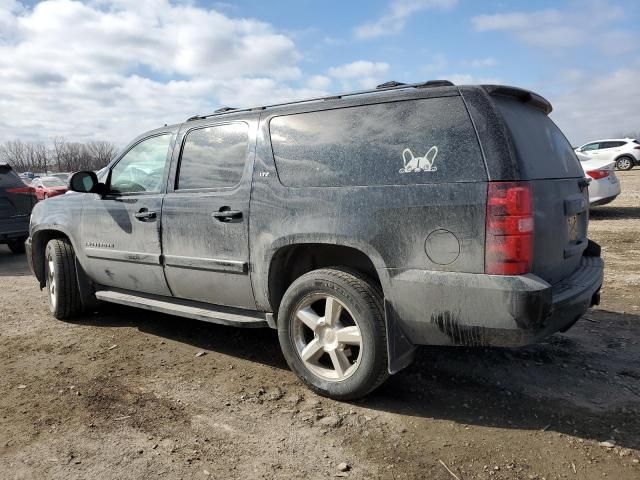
<point x="468" y="79"/>
<point x="112" y="68"/>
<point x="604" y="106"/>
<point x="364" y="73"/>
<point x="487" y="62"/>
<point x="585" y="23"/>
<point x="319" y="82"/>
<point x="396" y="17"/>
<point x="437" y="65"/>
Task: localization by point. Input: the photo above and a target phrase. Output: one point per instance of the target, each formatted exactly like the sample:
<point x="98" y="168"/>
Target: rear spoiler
<point x="525" y="96"/>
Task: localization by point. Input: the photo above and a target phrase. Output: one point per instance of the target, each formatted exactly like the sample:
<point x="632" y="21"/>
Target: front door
<point x="121" y="230"/>
<point x="205" y="215"/>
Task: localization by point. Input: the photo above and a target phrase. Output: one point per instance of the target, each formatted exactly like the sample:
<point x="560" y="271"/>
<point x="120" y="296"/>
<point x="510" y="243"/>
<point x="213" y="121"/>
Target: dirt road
<point x="122" y="394"/>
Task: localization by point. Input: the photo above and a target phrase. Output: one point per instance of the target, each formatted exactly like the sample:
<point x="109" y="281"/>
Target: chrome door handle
<point x="225" y="214"/>
<point x="144" y="214"/>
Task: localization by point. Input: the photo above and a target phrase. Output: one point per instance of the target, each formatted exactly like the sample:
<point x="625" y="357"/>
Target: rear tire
<point x="624" y="163"/>
<point x="61" y="279"/>
<point x="334" y="319"/>
<point x="16" y="246"/>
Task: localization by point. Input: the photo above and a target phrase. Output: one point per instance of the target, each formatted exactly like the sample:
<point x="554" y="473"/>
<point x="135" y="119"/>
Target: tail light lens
<point x="509" y="229"/>
<point x="26" y="190"/>
<point x="598" y="174"/>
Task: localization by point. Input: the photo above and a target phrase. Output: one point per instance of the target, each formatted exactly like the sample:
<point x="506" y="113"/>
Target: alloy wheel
<point x="327" y="337"/>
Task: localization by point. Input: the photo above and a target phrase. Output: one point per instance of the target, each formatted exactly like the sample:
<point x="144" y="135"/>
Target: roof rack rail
<point x="392" y="85"/>
<point x="436" y="83"/>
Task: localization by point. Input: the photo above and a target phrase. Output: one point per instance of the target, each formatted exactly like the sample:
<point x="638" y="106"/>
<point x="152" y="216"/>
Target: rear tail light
<point x="26" y="190"/>
<point x="509" y="229"/>
<point x="598" y="174"/>
<point x="637" y="148"/>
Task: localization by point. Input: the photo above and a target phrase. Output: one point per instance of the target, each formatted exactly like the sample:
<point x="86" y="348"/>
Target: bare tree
<point x="63" y="156"/>
<point x="100" y="153"/>
<point x="24" y="156"/>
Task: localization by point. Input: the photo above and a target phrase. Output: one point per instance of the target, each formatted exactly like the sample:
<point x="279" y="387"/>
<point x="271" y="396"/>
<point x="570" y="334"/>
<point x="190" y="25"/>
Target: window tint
<point x="618" y="144"/>
<point x="54" y="183"/>
<point x="142" y="167"/>
<point x="591" y="146"/>
<point x="213" y="157"/>
<point x="407" y="142"/>
<point x="604" y="145"/>
<point x="543" y="151"/>
<point x="8" y="177"/>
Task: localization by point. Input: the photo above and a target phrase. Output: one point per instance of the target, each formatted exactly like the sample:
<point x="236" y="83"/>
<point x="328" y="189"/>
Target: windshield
<point x="53" y="182"/>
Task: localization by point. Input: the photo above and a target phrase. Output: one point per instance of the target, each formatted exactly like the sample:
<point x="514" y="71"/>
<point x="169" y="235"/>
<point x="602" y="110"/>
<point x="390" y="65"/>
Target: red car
<point x="46" y="187"/>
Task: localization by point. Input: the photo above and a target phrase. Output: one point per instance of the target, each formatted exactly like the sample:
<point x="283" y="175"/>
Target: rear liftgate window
<point x="213" y="157"/>
<point x="399" y="143"/>
<point x="543" y="151"/>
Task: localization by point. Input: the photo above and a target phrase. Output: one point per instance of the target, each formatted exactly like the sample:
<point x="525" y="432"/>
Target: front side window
<point x="54" y="182"/>
<point x="142" y="167"/>
<point x="213" y="157"/>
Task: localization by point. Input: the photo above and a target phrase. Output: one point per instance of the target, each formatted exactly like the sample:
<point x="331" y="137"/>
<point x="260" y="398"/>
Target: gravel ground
<point x="123" y="394"/>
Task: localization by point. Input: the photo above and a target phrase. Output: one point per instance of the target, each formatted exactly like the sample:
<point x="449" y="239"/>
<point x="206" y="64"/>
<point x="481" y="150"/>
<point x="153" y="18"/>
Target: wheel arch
<point x="291" y="261"/>
<point x="626" y="155"/>
<point x="39" y="241"/>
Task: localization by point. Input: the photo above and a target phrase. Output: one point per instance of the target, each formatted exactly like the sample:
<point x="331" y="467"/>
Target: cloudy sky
<point x="110" y="69"/>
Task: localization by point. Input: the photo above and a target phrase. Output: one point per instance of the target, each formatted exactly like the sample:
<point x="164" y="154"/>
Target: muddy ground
<point x="121" y="394"/>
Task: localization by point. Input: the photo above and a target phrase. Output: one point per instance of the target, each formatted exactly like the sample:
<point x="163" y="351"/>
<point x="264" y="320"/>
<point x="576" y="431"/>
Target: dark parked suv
<point x="16" y="202"/>
<point x="359" y="225"/>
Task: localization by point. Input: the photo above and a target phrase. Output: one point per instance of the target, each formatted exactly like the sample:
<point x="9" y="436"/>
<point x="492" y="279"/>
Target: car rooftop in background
<point x="624" y="152"/>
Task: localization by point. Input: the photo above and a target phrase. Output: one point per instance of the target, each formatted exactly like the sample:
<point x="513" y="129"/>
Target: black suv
<point x="359" y="225"/>
<point x="16" y="201"/>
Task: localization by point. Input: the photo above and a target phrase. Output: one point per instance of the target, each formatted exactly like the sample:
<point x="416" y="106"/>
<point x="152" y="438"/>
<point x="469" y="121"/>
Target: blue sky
<point x="109" y="69"/>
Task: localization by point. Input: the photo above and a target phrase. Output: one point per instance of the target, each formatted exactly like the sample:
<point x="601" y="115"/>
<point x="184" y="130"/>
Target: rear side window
<point x="213" y="157"/>
<point x="398" y="143"/>
<point x="543" y="150"/>
<point x="9" y="178"/>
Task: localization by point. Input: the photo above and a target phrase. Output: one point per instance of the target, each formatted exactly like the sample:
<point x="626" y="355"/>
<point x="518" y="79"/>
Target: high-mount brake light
<point x="509" y="229"/>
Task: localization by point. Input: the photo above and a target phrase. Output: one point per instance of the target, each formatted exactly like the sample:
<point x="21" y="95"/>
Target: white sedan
<point x="604" y="186"/>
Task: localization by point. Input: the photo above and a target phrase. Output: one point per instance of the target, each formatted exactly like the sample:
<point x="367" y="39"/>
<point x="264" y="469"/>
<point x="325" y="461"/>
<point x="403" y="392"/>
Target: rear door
<point x="560" y="194"/>
<point x="205" y="215"/>
<point x="16" y="198"/>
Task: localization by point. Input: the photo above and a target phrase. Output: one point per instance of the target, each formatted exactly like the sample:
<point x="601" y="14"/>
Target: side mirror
<point x="86" y="182"/>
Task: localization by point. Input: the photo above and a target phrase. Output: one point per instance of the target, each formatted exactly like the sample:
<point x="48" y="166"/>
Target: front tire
<point x="624" y="163"/>
<point x="61" y="279"/>
<point x="332" y="333"/>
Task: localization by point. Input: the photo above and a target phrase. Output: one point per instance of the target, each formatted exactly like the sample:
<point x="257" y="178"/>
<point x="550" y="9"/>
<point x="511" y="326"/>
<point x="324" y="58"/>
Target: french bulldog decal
<point x="419" y="164"/>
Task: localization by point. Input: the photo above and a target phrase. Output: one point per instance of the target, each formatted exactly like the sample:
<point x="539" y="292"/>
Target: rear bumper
<point x="14" y="229"/>
<point x="603" y="200"/>
<point x="444" y="308"/>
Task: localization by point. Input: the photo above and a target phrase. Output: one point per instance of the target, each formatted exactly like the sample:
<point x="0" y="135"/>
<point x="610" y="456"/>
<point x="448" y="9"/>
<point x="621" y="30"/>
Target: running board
<point x="235" y="317"/>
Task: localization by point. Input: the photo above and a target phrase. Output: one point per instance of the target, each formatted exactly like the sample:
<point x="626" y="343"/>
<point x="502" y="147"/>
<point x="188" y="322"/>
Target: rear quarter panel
<point x="389" y="223"/>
